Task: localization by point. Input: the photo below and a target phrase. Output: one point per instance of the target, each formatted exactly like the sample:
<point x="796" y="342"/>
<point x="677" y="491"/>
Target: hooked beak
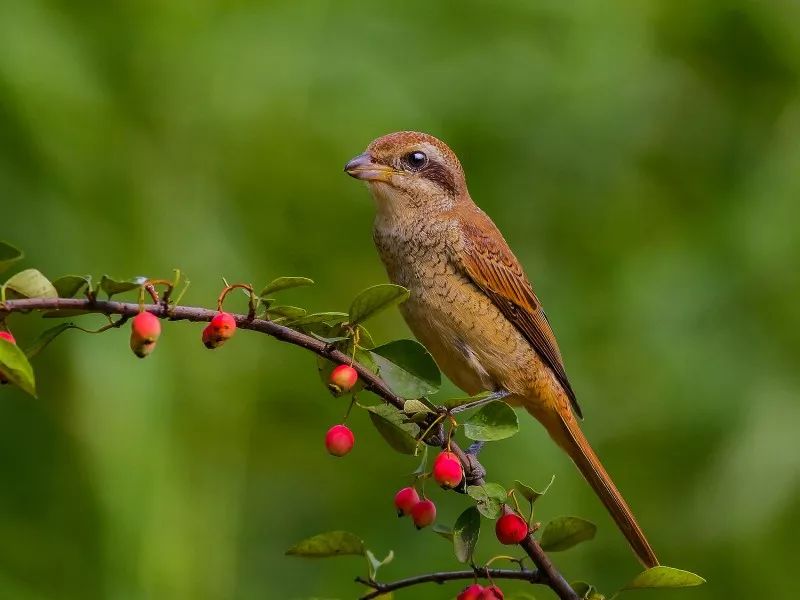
<point x="362" y="167"/>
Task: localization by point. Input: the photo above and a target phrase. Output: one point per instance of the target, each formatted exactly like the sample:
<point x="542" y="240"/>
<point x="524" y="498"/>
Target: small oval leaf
<point x="113" y="286"/>
<point x="495" y="421"/>
<point x="332" y="543"/>
<point x="563" y="533"/>
<point x="70" y="285"/>
<point x="30" y="283"/>
<point x="284" y="283"/>
<point x="389" y="423"/>
<point x="465" y="534"/>
<point x="407" y="368"/>
<point x="287" y="312"/>
<point x="489" y="498"/>
<point x="9" y="255"/>
<point x="664" y="577"/>
<point x="530" y="494"/>
<point x="15" y="367"/>
<point x="375" y="299"/>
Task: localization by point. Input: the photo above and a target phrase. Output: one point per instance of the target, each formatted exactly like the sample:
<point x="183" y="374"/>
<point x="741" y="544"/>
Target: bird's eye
<point x="415" y="160"/>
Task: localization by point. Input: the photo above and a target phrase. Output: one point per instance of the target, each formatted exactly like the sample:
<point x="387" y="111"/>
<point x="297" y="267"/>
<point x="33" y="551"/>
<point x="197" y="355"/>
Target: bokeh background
<point x="643" y="160"/>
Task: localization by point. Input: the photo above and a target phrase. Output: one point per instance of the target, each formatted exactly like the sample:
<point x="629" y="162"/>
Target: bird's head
<point x="408" y="170"/>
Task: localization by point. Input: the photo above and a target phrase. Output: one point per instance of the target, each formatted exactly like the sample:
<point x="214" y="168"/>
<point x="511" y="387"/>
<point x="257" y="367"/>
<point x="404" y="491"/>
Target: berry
<point x="511" y="529"/>
<point x="447" y="470"/>
<point x="6" y="335"/>
<point x="339" y="440"/>
<point x="404" y="500"/>
<point x="423" y="513"/>
<point x="145" y="330"/>
<point x="219" y="330"/>
<point x="342" y="379"/>
<point x="492" y="593"/>
<point x="471" y="592"/>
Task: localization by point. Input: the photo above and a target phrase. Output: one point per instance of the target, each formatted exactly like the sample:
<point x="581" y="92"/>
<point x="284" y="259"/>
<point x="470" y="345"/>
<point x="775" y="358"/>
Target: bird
<point x="470" y="303"/>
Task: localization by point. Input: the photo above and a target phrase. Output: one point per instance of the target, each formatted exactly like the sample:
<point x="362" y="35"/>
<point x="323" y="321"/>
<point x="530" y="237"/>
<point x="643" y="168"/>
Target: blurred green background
<point x="643" y="161"/>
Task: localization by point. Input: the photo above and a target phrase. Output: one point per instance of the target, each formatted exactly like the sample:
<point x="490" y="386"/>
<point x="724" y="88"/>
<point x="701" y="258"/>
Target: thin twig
<point x="442" y="577"/>
<point x="473" y="469"/>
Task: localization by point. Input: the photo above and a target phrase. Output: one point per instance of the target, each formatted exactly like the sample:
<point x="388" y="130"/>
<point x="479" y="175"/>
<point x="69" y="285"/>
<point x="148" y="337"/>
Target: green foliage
<point x="664" y="577"/>
<point x="15" y="367"/>
<point x="465" y="534"/>
<point x="530" y="494"/>
<point x="495" y="421"/>
<point x="375" y="299"/>
<point x="489" y="498"/>
<point x="284" y="283"/>
<point x="563" y="533"/>
<point x="389" y="422"/>
<point x="407" y="368"/>
<point x="112" y="286"/>
<point x="29" y="283"/>
<point x="324" y="545"/>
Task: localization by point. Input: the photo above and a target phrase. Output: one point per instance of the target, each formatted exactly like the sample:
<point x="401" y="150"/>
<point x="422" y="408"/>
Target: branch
<point x="441" y="577"/>
<point x="473" y="470"/>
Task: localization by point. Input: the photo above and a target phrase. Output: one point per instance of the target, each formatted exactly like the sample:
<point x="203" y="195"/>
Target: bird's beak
<point x="362" y="167"/>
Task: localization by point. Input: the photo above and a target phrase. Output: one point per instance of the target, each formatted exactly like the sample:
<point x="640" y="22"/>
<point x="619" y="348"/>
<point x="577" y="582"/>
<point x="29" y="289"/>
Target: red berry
<point x="511" y="529"/>
<point x="219" y="330"/>
<point x="447" y="470"/>
<point x="6" y="335"/>
<point x="339" y="440"/>
<point x="423" y="513"/>
<point x="145" y="330"/>
<point x="342" y="379"/>
<point x="492" y="593"/>
<point x="404" y="500"/>
<point x="471" y="592"/>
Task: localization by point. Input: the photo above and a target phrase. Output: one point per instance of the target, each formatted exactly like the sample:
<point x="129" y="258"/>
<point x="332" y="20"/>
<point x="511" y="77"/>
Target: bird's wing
<point x="491" y="265"/>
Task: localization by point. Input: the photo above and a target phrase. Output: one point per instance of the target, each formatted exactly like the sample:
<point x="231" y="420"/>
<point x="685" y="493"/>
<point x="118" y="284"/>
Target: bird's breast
<point x="471" y="340"/>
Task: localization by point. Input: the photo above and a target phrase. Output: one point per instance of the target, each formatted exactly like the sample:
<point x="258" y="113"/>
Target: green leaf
<point x="70" y="285"/>
<point x="465" y="534"/>
<point x="586" y="591"/>
<point x="489" y="498"/>
<point x="375" y="299"/>
<point x="290" y="312"/>
<point x="495" y="421"/>
<point x="664" y="577"/>
<point x="443" y="531"/>
<point x="456" y="402"/>
<point x="320" y="317"/>
<point x="47" y="336"/>
<point x="15" y="367"/>
<point x="285" y="283"/>
<point x="332" y="543"/>
<point x="9" y="255"/>
<point x="413" y="407"/>
<point x="530" y="494"/>
<point x="389" y="423"/>
<point x="563" y="533"/>
<point x="407" y="368"/>
<point x="30" y="283"/>
<point x="113" y="286"/>
<point x="375" y="564"/>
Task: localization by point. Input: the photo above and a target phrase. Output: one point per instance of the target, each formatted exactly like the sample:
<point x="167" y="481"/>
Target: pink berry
<point x="492" y="593"/>
<point x="471" y="592"/>
<point x="423" y="513"/>
<point x="342" y="379"/>
<point x="145" y="330"/>
<point x="447" y="470"/>
<point x="219" y="330"/>
<point x="511" y="529"/>
<point x="404" y="500"/>
<point x="339" y="440"/>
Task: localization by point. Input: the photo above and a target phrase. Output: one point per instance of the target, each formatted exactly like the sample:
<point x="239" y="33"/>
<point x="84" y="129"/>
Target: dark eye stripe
<point x="440" y="175"/>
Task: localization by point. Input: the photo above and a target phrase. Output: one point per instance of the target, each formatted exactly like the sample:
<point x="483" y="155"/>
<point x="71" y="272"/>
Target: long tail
<point x="567" y="433"/>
